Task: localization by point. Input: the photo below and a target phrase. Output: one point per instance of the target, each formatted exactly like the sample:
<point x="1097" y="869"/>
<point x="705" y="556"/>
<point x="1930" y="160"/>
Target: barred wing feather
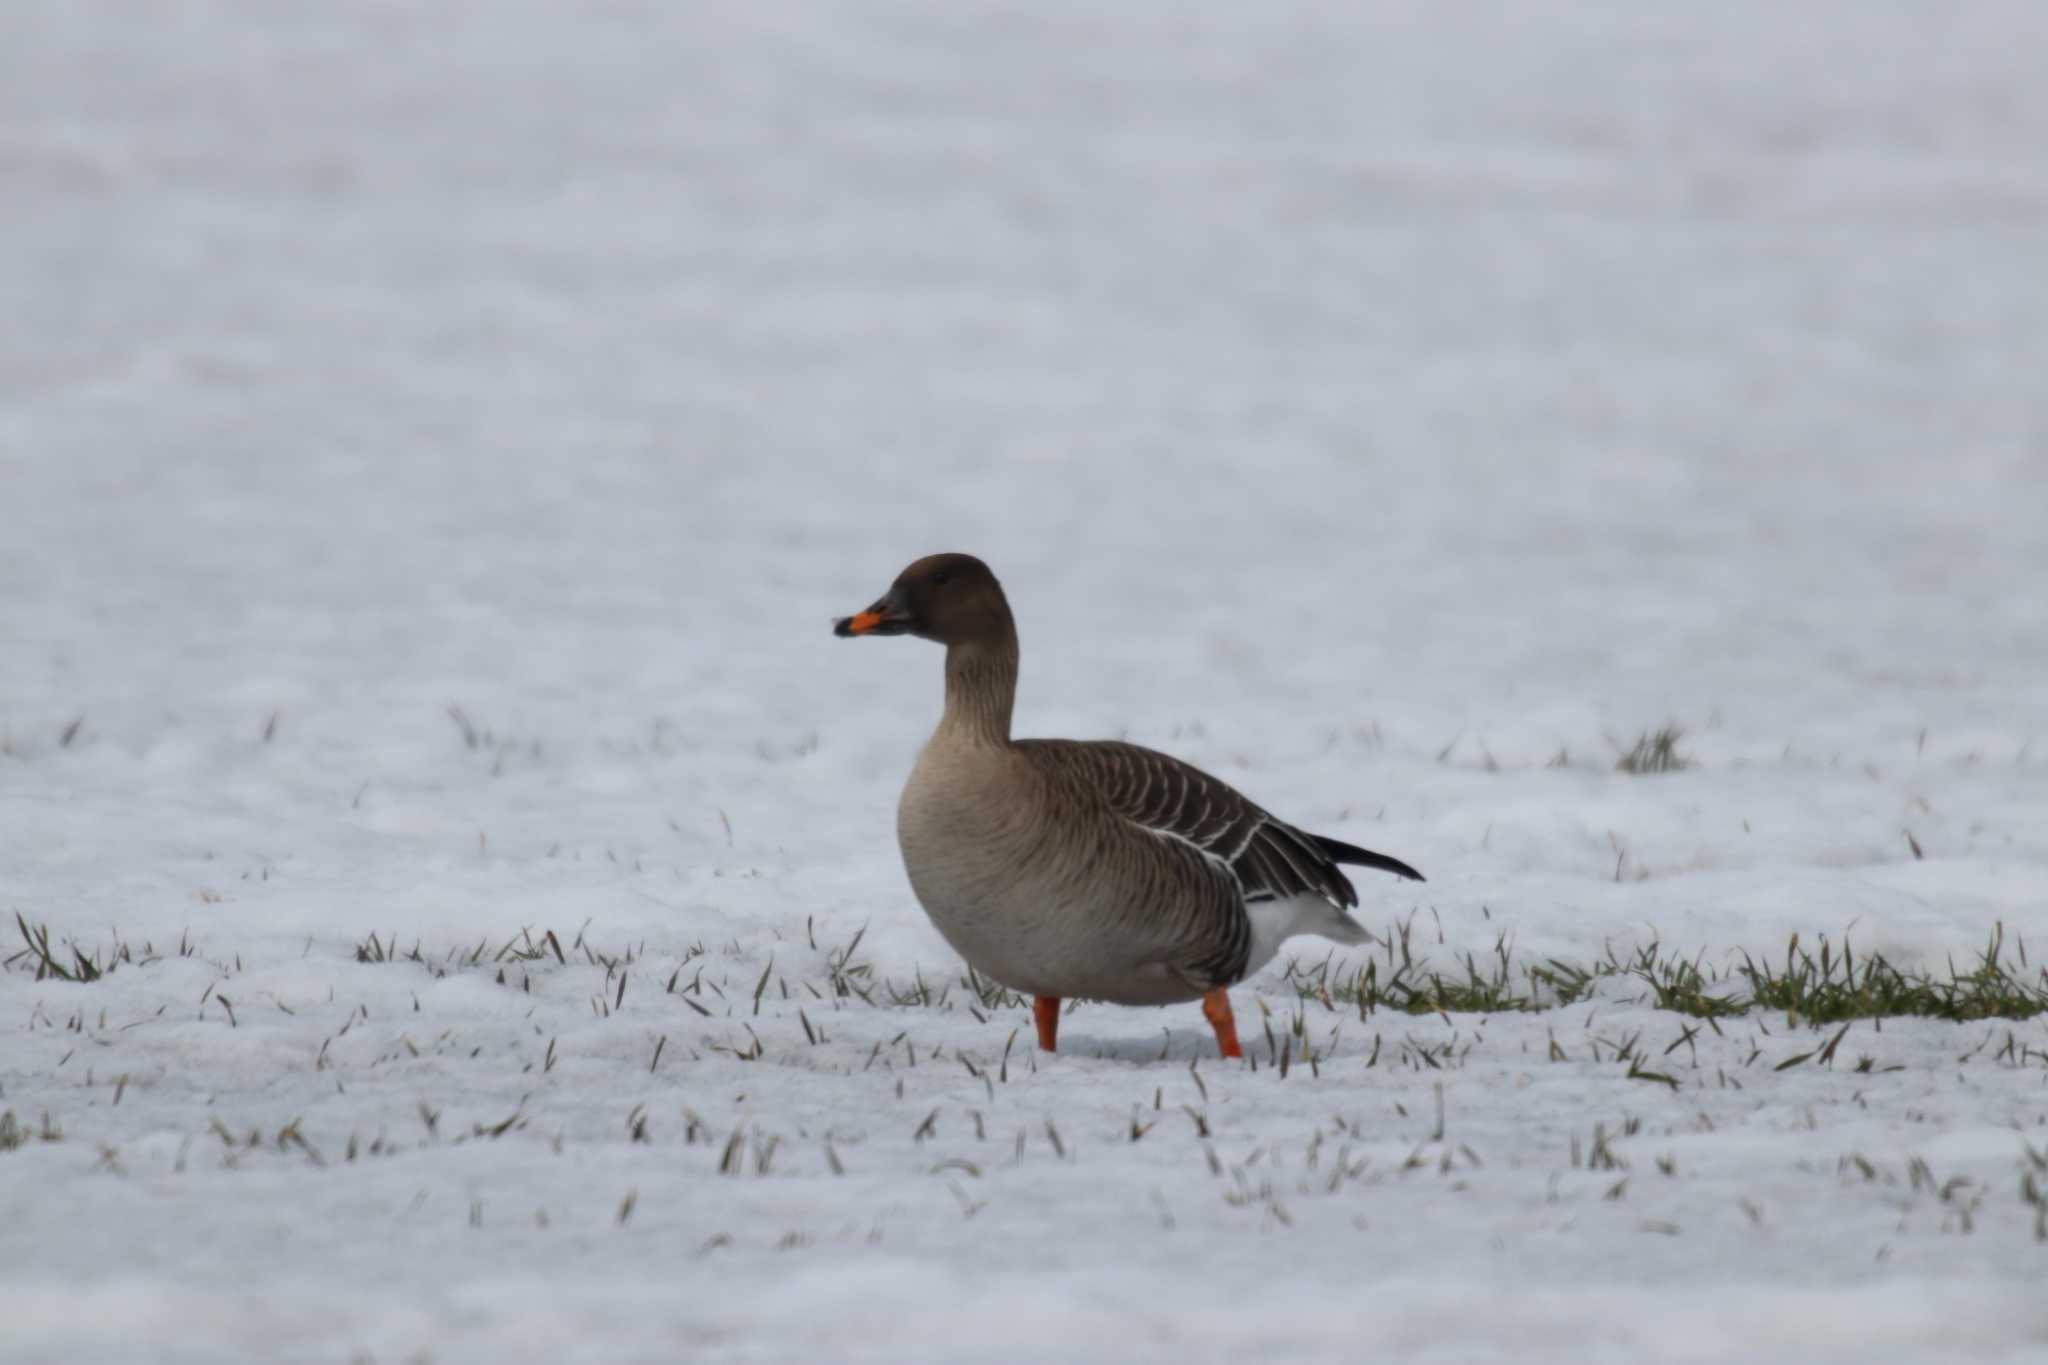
<point x="1268" y="858"/>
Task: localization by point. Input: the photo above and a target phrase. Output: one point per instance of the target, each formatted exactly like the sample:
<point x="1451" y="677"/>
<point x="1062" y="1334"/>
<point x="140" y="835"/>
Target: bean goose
<point x="1090" y="869"/>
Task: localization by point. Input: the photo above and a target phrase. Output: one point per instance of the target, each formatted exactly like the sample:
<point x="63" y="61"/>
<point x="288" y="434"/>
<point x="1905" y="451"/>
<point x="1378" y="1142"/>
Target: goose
<point x="1089" y="869"/>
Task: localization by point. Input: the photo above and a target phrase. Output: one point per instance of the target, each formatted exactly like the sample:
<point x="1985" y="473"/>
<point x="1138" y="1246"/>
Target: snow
<point x="1368" y="403"/>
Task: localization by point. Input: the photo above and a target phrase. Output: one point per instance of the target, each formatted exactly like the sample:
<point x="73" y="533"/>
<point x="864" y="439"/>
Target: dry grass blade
<point x="1655" y="753"/>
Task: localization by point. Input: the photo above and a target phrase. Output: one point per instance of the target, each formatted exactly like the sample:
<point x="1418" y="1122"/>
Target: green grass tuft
<point x="1813" y="987"/>
<point x="1655" y="753"/>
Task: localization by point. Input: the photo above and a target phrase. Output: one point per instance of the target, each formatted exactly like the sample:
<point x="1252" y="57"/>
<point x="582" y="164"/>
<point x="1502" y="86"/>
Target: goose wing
<point x="1266" y="857"/>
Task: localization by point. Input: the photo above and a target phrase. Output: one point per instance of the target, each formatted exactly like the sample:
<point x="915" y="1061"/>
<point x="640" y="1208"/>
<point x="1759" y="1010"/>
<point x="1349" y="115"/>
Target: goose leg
<point x="1045" y="1009"/>
<point x="1216" y="1009"/>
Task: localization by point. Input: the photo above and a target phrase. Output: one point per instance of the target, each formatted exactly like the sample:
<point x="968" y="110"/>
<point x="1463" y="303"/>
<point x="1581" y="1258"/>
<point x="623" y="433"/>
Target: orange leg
<point x="1216" y="1009"/>
<point x="1045" y="1009"/>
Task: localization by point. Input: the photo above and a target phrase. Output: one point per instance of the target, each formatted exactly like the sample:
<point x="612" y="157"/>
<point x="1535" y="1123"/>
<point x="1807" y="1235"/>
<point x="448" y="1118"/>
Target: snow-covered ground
<point x="434" y="440"/>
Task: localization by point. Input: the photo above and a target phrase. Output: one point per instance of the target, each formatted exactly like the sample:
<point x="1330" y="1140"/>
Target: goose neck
<point x="981" y="689"/>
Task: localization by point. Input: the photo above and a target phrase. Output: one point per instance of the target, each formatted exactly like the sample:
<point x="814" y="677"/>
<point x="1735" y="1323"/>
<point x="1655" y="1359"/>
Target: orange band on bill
<point x="863" y="622"/>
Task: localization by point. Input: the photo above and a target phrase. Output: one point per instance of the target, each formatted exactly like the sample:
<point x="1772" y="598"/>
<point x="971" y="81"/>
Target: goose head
<point x="950" y="598"/>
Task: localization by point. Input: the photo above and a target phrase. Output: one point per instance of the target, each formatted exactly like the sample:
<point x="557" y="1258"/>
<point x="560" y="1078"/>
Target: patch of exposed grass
<point x="1827" y="987"/>
<point x="71" y="964"/>
<point x="523" y="947"/>
<point x="15" y="1135"/>
<point x="1816" y="987"/>
<point x="73" y="961"/>
<point x="1655" y="752"/>
<point x="838" y="975"/>
<point x="1395" y="980"/>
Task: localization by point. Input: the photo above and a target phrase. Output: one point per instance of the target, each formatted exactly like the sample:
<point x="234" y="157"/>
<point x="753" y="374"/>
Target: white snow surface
<point x="1371" y="403"/>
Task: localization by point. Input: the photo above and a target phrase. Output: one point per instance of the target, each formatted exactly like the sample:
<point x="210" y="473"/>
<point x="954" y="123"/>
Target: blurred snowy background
<point x="1398" y="408"/>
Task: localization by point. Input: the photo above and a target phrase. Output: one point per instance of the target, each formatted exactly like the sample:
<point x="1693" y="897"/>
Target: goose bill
<point x="880" y="619"/>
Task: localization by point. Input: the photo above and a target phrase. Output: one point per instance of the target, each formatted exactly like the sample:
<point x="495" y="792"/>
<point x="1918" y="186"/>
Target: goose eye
<point x="939" y="577"/>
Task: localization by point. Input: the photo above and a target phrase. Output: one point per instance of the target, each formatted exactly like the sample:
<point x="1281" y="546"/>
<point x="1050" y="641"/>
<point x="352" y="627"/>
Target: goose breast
<point x="1040" y="888"/>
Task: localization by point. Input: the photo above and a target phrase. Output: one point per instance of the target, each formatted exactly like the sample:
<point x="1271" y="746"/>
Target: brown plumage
<point x="1089" y="868"/>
